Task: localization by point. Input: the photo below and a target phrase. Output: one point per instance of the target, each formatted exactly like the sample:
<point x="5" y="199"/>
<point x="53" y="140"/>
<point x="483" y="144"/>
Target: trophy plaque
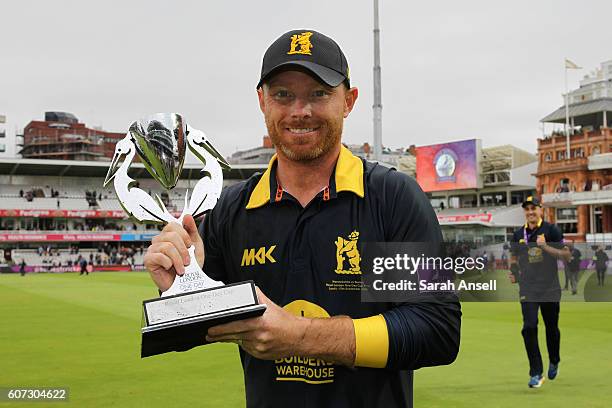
<point x="180" y="318"/>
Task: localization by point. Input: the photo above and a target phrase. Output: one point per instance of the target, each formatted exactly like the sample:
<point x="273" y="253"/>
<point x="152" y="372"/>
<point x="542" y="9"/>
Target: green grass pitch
<point x="83" y="332"/>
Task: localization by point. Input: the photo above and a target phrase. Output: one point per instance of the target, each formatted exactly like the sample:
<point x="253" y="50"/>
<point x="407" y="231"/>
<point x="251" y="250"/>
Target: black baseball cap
<point x="531" y="200"/>
<point x="310" y="50"/>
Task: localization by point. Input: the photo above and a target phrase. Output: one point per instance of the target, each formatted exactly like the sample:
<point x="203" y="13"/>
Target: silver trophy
<point x="180" y="318"/>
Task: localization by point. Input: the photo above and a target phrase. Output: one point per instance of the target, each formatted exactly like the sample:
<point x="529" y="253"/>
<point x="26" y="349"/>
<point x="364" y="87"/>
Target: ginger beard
<point x="329" y="136"/>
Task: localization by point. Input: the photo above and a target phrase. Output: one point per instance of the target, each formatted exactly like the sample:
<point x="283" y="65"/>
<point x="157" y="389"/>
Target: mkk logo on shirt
<point x="257" y="255"/>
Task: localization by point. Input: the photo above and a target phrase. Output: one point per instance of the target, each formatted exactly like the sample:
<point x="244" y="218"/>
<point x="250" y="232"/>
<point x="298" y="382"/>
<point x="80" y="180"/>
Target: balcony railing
<point x="558" y="138"/>
<point x="563" y="164"/>
<point x="600" y="161"/>
<point x="577" y="198"/>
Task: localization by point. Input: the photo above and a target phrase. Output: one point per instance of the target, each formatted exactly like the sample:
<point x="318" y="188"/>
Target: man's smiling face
<point x="533" y="213"/>
<point x="304" y="117"/>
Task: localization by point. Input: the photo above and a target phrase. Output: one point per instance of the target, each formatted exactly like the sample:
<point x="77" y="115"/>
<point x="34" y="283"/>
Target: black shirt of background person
<point x="601" y="261"/>
<point x="539" y="277"/>
<point x="574" y="263"/>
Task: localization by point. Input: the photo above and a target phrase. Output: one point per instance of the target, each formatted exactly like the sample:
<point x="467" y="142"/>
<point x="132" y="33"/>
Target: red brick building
<point x="61" y="136"/>
<point x="576" y="188"/>
<point x="575" y="191"/>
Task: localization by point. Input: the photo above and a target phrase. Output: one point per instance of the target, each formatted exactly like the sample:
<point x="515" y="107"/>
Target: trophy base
<point x="180" y="322"/>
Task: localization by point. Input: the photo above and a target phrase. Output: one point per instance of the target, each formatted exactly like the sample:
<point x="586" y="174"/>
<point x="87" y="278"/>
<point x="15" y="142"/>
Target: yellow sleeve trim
<point x="371" y="342"/>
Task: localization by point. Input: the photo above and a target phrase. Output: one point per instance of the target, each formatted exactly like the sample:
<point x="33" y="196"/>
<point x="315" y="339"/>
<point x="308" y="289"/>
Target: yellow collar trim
<point x="349" y="177"/>
<point x="349" y="173"/>
<point x="539" y="224"/>
<point x="261" y="193"/>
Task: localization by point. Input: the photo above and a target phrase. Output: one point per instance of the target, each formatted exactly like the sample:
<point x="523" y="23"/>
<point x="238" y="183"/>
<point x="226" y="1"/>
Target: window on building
<point x="489" y="178"/>
<point x="567" y="220"/>
<point x="560" y="154"/>
<point x="494" y="199"/>
<point x="498" y="177"/>
<point x="2" y="148"/>
<point x="578" y="152"/>
<point x="548" y="157"/>
<point x="518" y="197"/>
<point x="564" y="184"/>
<point x="454" y="202"/>
<point x="503" y="176"/>
<point x="438" y="203"/>
<point x="2" y="133"/>
<point x="468" y="201"/>
<point x="595" y="150"/>
<point x="598" y="215"/>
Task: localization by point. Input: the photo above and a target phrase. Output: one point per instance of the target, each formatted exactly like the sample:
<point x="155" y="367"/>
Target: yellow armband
<point x="371" y="342"/>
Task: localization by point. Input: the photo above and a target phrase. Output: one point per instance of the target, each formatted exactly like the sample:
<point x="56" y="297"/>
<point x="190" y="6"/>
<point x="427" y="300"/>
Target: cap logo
<point x="530" y="198"/>
<point x="303" y="42"/>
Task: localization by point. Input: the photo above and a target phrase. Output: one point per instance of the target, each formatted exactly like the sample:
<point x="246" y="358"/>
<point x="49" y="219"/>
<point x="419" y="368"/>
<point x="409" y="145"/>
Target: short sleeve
<point x="555" y="235"/>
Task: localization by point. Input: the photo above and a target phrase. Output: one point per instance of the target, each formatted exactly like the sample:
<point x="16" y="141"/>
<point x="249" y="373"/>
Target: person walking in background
<point x="566" y="273"/>
<point x="22" y="267"/>
<point x="504" y="258"/>
<point x="572" y="267"/>
<point x="83" y="265"/>
<point x="536" y="247"/>
<point x="601" y="264"/>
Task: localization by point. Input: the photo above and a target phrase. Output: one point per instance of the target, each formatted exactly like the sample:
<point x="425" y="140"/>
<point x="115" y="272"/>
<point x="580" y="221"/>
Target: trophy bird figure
<point x="208" y="189"/>
<point x="136" y="202"/>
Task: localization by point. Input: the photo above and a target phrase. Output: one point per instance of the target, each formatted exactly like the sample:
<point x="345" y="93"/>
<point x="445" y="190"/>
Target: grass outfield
<point x="82" y="332"/>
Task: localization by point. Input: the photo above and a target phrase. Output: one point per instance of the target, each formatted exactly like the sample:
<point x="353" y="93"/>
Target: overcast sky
<point x="450" y="70"/>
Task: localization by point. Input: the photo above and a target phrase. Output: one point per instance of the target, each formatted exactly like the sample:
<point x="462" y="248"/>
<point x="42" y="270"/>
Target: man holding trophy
<point x="316" y="344"/>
